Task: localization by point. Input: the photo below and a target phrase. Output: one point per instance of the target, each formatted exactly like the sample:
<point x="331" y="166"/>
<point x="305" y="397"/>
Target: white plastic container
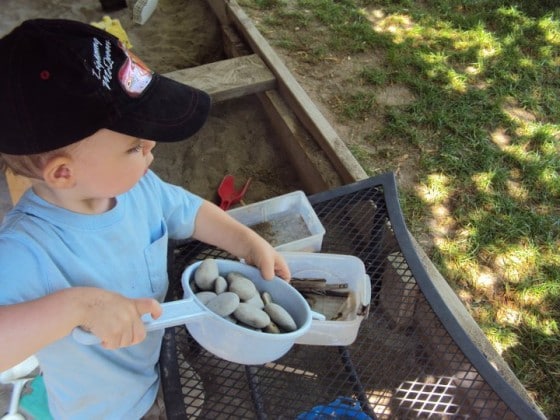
<point x="240" y="344"/>
<point x="288" y="222"/>
<point x="334" y="268"/>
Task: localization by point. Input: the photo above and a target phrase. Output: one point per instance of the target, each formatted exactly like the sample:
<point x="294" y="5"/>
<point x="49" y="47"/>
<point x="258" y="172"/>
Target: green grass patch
<point x="486" y="122"/>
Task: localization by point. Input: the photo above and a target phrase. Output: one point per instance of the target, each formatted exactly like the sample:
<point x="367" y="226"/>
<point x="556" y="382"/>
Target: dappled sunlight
<point x="517" y="113"/>
<point x="380" y="400"/>
<point x="546" y="326"/>
<point x="467" y="270"/>
<point x="501" y="338"/>
<point x="459" y="77"/>
<point x="485" y="280"/>
<point x="482" y="120"/>
<point x="483" y="181"/>
<point x="435" y="190"/>
<point x="550" y="27"/>
<point x="484" y="312"/>
<point x="457" y="81"/>
<point x="465" y="295"/>
<point x="521" y="153"/>
<point x="293" y="370"/>
<point x="477" y="42"/>
<point x="509" y="315"/>
<point x="441" y="223"/>
<point x="528" y="297"/>
<point x="398" y="25"/>
<point x="537" y="294"/>
<point x="531" y="150"/>
<point x="516" y="190"/>
<point x="375" y="16"/>
<point x="482" y="117"/>
<point x="471" y="70"/>
<point x="551" y="179"/>
<point x="518" y="262"/>
<point x="500" y="138"/>
<point x="527" y="63"/>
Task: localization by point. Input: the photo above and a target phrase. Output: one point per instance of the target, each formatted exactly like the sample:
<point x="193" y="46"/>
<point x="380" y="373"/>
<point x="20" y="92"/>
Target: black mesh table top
<point x="412" y="357"/>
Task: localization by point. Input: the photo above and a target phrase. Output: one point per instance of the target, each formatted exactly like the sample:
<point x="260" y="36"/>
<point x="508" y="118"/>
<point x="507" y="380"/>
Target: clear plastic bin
<point x="288" y="222"/>
<point x="334" y="268"/>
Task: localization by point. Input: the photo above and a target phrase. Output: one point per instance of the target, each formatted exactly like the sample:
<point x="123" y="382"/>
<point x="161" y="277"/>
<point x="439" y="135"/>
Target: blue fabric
<point x="35" y="403"/>
<point x="44" y="248"/>
<point x="343" y="408"/>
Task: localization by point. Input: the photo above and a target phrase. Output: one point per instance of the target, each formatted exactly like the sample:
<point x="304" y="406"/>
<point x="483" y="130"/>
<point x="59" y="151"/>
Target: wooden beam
<point x="6" y="202"/>
<point x="345" y="163"/>
<point x="307" y="161"/>
<point x="17" y="185"/>
<point x="228" y="79"/>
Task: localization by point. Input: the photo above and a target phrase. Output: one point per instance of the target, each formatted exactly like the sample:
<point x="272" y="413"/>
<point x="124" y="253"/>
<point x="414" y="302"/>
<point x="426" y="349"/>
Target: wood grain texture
<point x="228" y="79"/>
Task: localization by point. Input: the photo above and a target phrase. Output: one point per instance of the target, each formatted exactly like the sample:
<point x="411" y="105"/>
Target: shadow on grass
<point x="486" y="79"/>
<point x="486" y="122"/>
<point x="531" y="371"/>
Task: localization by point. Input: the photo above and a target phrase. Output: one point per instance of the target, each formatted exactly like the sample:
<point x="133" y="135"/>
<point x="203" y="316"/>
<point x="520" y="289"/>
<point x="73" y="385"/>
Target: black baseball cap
<point x="62" y="80"/>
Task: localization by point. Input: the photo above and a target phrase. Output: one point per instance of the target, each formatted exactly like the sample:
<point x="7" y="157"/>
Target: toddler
<point x="80" y="117"/>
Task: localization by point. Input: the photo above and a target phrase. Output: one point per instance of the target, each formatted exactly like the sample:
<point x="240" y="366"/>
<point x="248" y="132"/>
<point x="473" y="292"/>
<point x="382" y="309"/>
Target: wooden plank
<point x="234" y="46"/>
<point x="5" y="198"/>
<point x="307" y="162"/>
<point x="219" y="9"/>
<point x="345" y="163"/>
<point x="228" y="79"/>
<point x="17" y="185"/>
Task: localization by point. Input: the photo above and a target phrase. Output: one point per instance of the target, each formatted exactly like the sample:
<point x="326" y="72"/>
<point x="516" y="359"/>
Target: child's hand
<point x="214" y="226"/>
<point x="115" y="319"/>
<point x="263" y="256"/>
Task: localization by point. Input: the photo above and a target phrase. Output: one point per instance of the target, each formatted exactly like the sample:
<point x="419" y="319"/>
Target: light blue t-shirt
<point x="44" y="248"/>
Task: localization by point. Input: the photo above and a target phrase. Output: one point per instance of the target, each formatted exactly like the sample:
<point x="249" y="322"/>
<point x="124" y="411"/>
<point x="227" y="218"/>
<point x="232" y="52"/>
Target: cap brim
<point x="167" y="111"/>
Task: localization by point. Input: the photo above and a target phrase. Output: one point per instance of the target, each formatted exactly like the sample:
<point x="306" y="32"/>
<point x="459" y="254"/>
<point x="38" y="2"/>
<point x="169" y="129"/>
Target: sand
<point x="237" y="138"/>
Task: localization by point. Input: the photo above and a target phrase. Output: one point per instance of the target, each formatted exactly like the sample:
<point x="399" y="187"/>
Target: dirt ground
<point x="323" y="83"/>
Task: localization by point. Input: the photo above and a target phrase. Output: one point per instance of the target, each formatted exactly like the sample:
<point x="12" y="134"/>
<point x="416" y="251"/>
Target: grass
<point x="486" y="124"/>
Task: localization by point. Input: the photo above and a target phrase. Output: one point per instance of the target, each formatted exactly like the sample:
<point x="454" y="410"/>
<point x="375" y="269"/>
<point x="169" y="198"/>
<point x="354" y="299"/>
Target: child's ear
<point x="58" y="172"/>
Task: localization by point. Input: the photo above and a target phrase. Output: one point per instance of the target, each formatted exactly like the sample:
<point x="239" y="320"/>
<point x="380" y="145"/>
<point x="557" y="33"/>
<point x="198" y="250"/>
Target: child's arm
<point x="27" y="327"/>
<point x="214" y="226"/>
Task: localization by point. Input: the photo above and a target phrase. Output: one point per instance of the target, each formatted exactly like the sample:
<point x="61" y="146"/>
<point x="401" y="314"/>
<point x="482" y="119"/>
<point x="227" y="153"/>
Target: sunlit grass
<point x="486" y="124"/>
<point x="435" y="189"/>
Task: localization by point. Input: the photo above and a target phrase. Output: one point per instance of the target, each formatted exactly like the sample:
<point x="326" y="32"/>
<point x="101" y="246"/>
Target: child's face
<point x="108" y="163"/>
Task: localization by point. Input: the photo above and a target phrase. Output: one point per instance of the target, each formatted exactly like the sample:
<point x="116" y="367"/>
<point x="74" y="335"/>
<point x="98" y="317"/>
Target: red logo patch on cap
<point x="134" y="75"/>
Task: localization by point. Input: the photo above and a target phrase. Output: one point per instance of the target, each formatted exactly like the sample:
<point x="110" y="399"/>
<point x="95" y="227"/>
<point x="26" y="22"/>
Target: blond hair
<point x="31" y="166"/>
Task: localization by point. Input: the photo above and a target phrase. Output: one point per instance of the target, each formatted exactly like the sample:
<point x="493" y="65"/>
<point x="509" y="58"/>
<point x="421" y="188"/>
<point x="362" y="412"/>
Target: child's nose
<point x="148" y="146"/>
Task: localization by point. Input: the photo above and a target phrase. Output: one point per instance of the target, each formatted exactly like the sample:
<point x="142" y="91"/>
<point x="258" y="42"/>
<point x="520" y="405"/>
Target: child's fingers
<point x="267" y="271"/>
<point x="148" y="306"/>
<point x="284" y="273"/>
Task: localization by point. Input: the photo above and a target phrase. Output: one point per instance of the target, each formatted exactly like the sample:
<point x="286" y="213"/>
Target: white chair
<point x="18" y="376"/>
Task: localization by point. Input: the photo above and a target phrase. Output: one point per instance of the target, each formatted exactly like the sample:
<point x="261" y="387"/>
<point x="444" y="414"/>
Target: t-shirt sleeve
<point x="179" y="207"/>
<point x="23" y="276"/>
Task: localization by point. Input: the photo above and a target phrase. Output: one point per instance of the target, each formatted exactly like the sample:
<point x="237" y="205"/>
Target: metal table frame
<point x="454" y="321"/>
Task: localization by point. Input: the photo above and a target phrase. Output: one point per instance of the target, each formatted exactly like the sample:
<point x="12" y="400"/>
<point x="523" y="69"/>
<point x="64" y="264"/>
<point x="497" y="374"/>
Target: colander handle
<point x="318" y="316"/>
<point x="174" y="313"/>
